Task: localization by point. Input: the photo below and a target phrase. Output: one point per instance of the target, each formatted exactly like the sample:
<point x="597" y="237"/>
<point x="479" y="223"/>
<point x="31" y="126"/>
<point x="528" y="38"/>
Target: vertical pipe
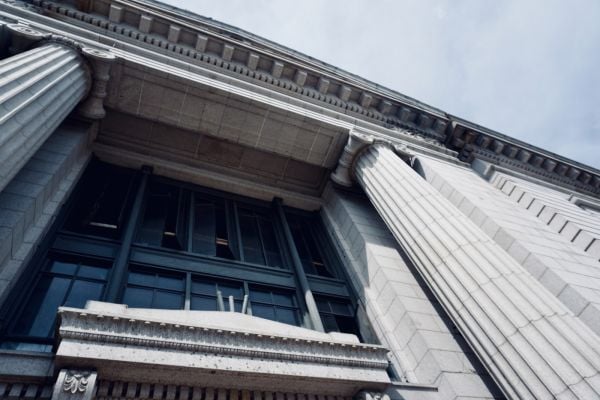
<point x="309" y="299"/>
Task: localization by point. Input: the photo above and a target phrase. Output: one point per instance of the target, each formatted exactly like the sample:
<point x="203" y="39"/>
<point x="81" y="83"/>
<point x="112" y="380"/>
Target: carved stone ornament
<point x="73" y="384"/>
<point x="101" y="61"/>
<point x="24" y="37"/>
<point x="371" y="395"/>
<point x="357" y="143"/>
<point x="76" y="381"/>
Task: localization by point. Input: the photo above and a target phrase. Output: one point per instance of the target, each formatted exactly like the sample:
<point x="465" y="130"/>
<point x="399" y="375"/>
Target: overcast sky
<point x="528" y="69"/>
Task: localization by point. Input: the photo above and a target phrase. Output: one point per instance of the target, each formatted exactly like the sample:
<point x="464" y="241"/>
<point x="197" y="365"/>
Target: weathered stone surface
<point x="530" y="342"/>
<point x="213" y="347"/>
<point x="39" y="89"/>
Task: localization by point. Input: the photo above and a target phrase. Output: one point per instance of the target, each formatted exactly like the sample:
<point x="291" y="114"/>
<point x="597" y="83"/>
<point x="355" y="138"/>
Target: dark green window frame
<point x="106" y="243"/>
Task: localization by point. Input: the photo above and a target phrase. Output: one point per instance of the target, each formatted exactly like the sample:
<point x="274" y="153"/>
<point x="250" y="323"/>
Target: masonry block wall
<point x="527" y="232"/>
<point x="31" y="201"/>
<point x="425" y="347"/>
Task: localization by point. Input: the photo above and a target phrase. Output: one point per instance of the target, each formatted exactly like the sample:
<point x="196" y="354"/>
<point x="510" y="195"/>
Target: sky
<point x="528" y="69"/>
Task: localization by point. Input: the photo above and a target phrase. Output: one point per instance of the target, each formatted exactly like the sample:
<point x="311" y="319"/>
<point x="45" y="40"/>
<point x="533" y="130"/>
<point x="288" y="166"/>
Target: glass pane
<point x="153" y="225"/>
<point x="167" y="300"/>
<point x="141" y="278"/>
<point x="270" y="243"/>
<point x="138" y="298"/>
<point x="329" y="323"/>
<point x="174" y="233"/>
<point x="39" y="315"/>
<point x="87" y="271"/>
<point x="208" y="288"/>
<point x="203" y="303"/>
<point x="347" y="325"/>
<point x="322" y="305"/>
<point x="227" y="289"/>
<point x="102" y="200"/>
<point x="287" y="316"/>
<point x="222" y="239"/>
<point x="283" y="299"/>
<point x="82" y="291"/>
<point x="259" y="310"/>
<point x="204" y="236"/>
<point x="170" y="282"/>
<point x="263" y="296"/>
<point x="251" y="239"/>
<point x="60" y="267"/>
<point x="340" y="308"/>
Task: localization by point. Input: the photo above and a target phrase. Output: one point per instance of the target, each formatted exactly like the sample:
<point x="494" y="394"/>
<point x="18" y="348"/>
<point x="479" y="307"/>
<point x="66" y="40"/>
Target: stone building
<point x="192" y="212"/>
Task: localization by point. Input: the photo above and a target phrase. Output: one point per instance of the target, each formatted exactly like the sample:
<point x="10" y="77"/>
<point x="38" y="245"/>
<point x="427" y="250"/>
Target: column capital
<point x="24" y="37"/>
<point x="98" y="63"/>
<point x="357" y="143"/>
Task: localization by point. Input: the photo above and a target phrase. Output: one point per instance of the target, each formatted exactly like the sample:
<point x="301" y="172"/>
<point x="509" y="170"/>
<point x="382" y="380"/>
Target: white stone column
<point x="38" y="89"/>
<point x="531" y="343"/>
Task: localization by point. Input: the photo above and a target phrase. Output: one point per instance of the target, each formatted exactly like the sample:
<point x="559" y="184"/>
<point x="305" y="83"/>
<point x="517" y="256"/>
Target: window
<point x="193" y="248"/>
<point x="309" y="251"/>
<point x="62" y="283"/>
<point x="337" y="315"/>
<point x="102" y="201"/>
<point x="150" y="289"/>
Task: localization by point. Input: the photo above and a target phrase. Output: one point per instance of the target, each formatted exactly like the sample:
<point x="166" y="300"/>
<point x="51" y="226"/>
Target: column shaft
<point x="530" y="342"/>
<point x="38" y="89"/>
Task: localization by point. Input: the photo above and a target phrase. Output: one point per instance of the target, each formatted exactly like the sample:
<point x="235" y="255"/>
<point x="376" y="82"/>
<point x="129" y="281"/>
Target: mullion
<point x="261" y="240"/>
<point x="191" y="222"/>
<point x="238" y="231"/>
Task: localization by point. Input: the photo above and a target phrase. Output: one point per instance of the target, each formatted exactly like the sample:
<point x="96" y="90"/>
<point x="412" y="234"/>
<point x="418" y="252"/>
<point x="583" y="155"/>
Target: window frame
<point x="62" y="242"/>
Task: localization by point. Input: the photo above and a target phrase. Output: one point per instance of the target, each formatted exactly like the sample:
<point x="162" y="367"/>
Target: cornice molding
<point x="225" y="349"/>
<point x="474" y="142"/>
<point x="129" y="328"/>
<point x="167" y="32"/>
<point x="217" y="47"/>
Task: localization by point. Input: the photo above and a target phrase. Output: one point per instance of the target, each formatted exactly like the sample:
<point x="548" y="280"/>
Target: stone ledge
<point x="215" y="347"/>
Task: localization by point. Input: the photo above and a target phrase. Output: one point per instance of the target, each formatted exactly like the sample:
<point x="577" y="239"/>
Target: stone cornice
<point x="221" y="349"/>
<point x="254" y="60"/>
<point x="138" y="330"/>
<point x="192" y="39"/>
<point x="473" y="141"/>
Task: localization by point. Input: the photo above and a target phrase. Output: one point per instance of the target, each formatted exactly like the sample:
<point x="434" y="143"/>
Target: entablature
<point x="219" y="47"/>
<point x="222" y="349"/>
<point x="476" y="142"/>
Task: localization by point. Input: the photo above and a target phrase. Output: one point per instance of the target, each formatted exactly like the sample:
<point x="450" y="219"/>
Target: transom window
<point x="190" y="248"/>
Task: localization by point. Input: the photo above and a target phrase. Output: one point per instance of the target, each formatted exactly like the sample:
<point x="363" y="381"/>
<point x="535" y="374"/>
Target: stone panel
<point x="526" y="232"/>
<point x="425" y="345"/>
<point x="31" y="201"/>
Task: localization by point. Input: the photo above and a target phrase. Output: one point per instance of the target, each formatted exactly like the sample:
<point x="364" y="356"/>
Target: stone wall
<point x="31" y="201"/>
<point x="519" y="218"/>
<point x="426" y="347"/>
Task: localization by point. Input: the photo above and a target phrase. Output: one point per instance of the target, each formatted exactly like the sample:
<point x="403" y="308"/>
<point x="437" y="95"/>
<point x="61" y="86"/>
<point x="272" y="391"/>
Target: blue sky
<point x="528" y="69"/>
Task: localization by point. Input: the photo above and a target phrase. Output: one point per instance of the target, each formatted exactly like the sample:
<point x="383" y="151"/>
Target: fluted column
<point x="39" y="87"/>
<point x="531" y="343"/>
